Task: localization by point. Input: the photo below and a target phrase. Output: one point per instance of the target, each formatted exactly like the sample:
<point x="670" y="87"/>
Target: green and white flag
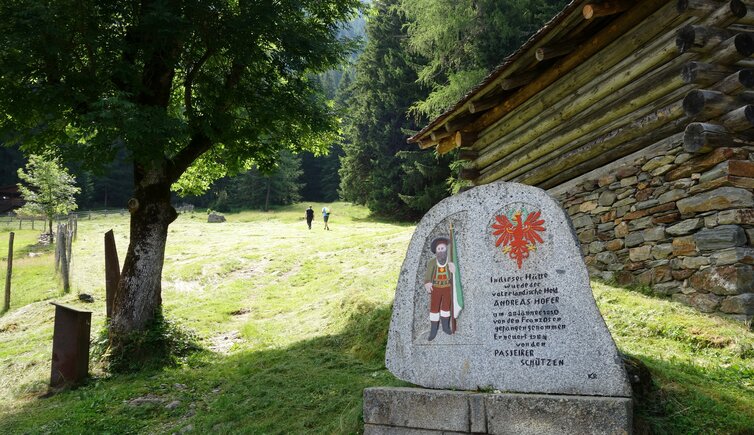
<point x="457" y="287"/>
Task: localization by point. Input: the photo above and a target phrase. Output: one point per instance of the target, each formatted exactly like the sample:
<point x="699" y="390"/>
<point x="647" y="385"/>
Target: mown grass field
<point x="293" y="324"/>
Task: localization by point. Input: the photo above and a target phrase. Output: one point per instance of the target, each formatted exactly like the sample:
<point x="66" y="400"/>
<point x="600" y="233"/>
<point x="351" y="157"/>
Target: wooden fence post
<point x="57" y="248"/>
<point x="8" y="273"/>
<point x="112" y="272"/>
<point x="63" y="258"/>
<point x="69" y="244"/>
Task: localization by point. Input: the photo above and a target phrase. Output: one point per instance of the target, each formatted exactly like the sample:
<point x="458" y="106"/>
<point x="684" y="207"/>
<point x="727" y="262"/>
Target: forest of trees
<point x="421" y="56"/>
<point x="417" y="58"/>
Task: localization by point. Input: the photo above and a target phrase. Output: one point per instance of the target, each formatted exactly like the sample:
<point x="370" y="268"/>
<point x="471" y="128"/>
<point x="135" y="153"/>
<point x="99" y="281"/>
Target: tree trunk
<point x="52" y="237"/>
<point x="138" y="298"/>
<point x="267" y="197"/>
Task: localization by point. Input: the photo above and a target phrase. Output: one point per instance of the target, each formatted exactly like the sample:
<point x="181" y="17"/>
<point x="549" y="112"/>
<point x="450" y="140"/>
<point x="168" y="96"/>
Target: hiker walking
<point x="326" y="216"/>
<point x="309" y="216"/>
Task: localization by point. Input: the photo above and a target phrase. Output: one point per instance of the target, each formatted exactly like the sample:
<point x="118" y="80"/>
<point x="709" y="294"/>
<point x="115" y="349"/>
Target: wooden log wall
<point x="685" y="63"/>
<point x="647" y="142"/>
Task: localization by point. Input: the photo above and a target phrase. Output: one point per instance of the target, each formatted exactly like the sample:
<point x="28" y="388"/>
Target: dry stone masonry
<point x="680" y="223"/>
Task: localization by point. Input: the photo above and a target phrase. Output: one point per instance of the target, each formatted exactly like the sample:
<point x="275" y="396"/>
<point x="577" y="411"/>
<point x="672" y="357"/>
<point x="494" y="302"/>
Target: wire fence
<point x="12" y="220"/>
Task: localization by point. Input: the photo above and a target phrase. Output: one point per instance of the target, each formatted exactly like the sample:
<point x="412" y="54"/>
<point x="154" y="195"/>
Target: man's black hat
<point x="437" y="241"/>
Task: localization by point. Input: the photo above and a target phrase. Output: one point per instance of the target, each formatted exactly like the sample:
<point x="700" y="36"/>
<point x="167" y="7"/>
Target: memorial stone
<point x="494" y="295"/>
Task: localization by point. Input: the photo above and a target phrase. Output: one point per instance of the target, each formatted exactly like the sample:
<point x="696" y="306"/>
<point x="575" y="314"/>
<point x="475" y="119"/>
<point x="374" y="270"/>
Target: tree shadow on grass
<point x="316" y="386"/>
<point x="372" y="218"/>
<point x="312" y="386"/>
<point x="688" y="398"/>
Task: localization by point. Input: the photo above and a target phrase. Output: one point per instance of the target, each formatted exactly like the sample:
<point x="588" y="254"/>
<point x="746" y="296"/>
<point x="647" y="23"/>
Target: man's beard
<point x="442" y="257"/>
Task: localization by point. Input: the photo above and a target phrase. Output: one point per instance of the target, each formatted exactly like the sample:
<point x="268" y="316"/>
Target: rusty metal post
<point x="112" y="272"/>
<point x="9" y="272"/>
<point x="70" y="346"/>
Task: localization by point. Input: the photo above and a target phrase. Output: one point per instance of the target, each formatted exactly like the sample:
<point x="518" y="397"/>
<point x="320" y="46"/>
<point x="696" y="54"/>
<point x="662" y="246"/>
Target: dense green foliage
<point x="47" y="189"/>
<point x="421" y="57"/>
<point x="163" y="77"/>
<point x="293" y="333"/>
<point x="254" y="190"/>
<point x="462" y="40"/>
<point x="377" y="170"/>
<point x="191" y="90"/>
<point x="10" y="160"/>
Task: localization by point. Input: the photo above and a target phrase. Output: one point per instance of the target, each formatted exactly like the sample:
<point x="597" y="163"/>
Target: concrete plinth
<point x="418" y="411"/>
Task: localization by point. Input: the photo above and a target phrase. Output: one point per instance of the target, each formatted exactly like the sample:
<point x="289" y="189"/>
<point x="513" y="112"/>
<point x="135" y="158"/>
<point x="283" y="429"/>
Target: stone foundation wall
<point x="679" y="223"/>
<point x="421" y="411"/>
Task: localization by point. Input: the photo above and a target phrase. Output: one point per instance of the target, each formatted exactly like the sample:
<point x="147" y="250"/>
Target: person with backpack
<point x="309" y="216"/>
<point x="326" y="216"/>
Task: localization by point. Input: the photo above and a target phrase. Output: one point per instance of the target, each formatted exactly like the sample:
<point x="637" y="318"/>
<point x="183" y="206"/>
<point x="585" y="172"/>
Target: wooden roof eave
<point x="569" y="25"/>
<point x="513" y="66"/>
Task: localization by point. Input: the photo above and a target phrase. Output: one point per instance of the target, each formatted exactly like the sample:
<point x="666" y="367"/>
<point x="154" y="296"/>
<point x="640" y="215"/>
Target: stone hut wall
<point x="679" y="223"/>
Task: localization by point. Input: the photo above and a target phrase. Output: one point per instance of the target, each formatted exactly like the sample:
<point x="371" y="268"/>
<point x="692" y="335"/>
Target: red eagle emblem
<point x="518" y="238"/>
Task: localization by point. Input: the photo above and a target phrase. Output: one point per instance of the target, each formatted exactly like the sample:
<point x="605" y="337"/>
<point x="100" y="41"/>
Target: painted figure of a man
<point x="438" y="282"/>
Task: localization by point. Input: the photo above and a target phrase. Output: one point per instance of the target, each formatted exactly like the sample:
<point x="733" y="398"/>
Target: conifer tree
<point x="463" y="40"/>
<point x="384" y="87"/>
<point x="254" y="189"/>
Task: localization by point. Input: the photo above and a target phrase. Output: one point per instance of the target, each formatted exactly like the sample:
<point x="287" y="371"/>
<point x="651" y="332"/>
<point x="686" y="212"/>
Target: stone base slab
<point x="419" y="411"/>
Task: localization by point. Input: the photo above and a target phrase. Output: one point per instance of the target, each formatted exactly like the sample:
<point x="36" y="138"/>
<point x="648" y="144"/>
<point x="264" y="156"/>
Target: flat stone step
<point x="415" y="411"/>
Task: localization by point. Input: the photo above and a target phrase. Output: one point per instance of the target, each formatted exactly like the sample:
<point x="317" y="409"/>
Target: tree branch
<point x="198" y="145"/>
<point x="231" y="81"/>
<point x="128" y="56"/>
<point x="188" y="94"/>
<point x="200" y="142"/>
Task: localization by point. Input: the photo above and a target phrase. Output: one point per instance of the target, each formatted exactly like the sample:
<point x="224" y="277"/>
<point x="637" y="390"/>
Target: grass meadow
<point x="293" y="326"/>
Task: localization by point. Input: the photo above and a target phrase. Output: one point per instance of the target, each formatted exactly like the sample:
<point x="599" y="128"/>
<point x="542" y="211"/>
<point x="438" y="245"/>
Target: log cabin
<point x="10" y="198"/>
<point x="638" y="117"/>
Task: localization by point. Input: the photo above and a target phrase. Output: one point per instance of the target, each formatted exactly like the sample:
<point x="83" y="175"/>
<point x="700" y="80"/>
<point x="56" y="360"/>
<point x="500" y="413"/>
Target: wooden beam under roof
<point x="562" y="24"/>
<point x="610" y="7"/>
<point x="620" y="25"/>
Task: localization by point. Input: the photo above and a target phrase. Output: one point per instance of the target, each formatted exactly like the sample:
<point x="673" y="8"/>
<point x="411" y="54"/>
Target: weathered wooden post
<point x="112" y="271"/>
<point x="69" y="245"/>
<point x="8" y="273"/>
<point x="57" y="248"/>
<point x="63" y="258"/>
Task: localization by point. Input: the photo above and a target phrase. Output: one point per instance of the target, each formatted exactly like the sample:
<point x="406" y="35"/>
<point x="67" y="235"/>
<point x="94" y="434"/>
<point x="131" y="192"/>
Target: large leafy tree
<point x="187" y="87"/>
<point x="47" y="188"/>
